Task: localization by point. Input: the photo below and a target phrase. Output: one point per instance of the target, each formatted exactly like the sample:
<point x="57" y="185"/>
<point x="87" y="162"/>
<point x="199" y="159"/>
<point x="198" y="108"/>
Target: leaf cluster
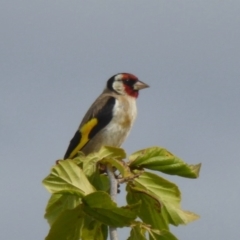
<point x="81" y="208"/>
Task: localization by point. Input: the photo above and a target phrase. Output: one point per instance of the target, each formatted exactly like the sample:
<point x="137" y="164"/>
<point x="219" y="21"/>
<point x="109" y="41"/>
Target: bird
<point x="110" y="118"/>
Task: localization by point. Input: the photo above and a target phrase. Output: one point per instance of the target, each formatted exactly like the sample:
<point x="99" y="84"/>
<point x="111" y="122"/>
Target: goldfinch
<point x="110" y="118"/>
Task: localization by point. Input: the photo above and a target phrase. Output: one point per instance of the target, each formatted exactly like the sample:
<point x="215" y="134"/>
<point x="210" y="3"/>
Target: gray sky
<point x="55" y="57"/>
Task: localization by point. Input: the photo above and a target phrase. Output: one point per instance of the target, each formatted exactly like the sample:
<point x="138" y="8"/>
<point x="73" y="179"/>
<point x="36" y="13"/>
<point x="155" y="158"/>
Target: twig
<point x="113" y="194"/>
<point x="131" y="178"/>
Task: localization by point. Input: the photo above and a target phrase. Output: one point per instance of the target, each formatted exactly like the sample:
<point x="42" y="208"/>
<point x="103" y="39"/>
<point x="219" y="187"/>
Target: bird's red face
<point x="126" y="84"/>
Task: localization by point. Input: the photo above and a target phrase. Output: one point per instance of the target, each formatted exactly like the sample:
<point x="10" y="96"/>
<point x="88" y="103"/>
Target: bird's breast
<point x="124" y="114"/>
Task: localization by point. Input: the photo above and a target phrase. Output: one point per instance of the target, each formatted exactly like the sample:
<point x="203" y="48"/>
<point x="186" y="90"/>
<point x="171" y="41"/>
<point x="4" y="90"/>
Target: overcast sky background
<point x="55" y="57"/>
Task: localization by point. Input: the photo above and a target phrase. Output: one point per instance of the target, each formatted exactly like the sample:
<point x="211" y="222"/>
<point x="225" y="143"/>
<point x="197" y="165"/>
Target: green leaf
<point x="164" y="235"/>
<point x="137" y="233"/>
<point x="89" y="162"/>
<point x="167" y="194"/>
<point x="66" y="177"/>
<point x="74" y="224"/>
<point x="140" y="229"/>
<point x="100" y="182"/>
<point x="99" y="206"/>
<point x="67" y="226"/>
<point x="59" y="203"/>
<point x="120" y="166"/>
<point x="150" y="208"/>
<point x="111" y="152"/>
<point x="160" y="159"/>
<point x="93" y="230"/>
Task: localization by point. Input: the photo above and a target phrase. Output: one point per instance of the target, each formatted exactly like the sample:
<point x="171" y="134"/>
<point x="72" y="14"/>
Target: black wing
<point x="97" y="120"/>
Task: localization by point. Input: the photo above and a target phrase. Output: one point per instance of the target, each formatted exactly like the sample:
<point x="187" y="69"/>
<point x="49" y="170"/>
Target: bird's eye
<point x="129" y="81"/>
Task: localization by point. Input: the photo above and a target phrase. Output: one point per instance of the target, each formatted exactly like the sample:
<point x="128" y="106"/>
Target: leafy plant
<point x="81" y="208"/>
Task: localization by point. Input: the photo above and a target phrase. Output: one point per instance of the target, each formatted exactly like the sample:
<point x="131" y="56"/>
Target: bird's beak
<point x="140" y="85"/>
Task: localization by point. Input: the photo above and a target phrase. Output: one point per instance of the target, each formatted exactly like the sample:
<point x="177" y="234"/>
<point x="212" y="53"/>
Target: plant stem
<point x="113" y="194"/>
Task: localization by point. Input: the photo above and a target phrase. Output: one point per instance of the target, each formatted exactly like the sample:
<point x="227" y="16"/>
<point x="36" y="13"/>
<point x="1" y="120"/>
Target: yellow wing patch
<point x="85" y="130"/>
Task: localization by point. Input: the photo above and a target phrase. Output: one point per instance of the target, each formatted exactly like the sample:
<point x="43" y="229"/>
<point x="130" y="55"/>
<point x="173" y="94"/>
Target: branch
<point x="113" y="194"/>
<point x="131" y="178"/>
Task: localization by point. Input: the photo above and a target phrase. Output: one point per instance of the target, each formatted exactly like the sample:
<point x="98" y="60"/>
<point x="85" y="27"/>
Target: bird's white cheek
<point x="118" y="87"/>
